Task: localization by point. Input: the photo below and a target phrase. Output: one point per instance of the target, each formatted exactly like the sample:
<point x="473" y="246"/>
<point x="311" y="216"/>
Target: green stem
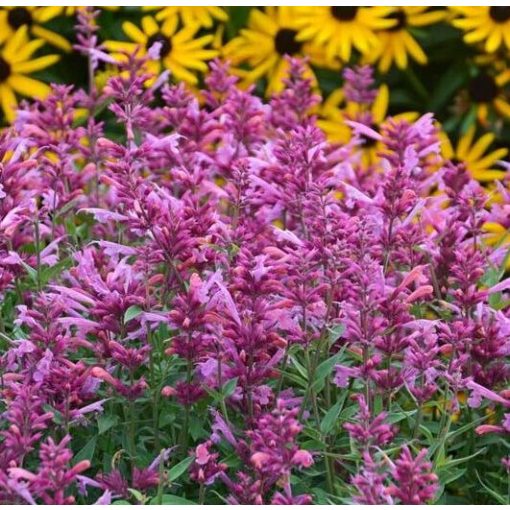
<point x="282" y="370"/>
<point x="442" y="438"/>
<point x="187" y="408"/>
<point x="201" y="494"/>
<point x="418" y="421"/>
<point x="38" y="253"/>
<point x="223" y="404"/>
<point x="161" y="472"/>
<point x="310" y="394"/>
<point x="330" y="475"/>
<point x="131" y="433"/>
<point x="155" y="393"/>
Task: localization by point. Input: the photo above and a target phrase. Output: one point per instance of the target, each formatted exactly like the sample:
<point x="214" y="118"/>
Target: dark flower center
<point x="483" y="89"/>
<point x="18" y="17"/>
<point x="369" y="142"/>
<point x="499" y="14"/>
<point x="401" y="18"/>
<point x="344" y="13"/>
<point x="285" y="42"/>
<point x="166" y="44"/>
<point x="5" y="70"/>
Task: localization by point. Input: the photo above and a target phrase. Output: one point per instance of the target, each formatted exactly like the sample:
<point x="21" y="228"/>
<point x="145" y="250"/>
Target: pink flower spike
<point x="488" y="394"/>
<point x="362" y="129"/>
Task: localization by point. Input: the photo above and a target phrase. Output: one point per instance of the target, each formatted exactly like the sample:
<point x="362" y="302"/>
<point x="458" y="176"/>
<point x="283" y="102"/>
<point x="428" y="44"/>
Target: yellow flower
<point x="332" y="118"/>
<point x="12" y="18"/>
<point x="475" y="156"/>
<point x="334" y="112"/>
<point x="398" y="42"/>
<point x="72" y="10"/>
<point x="180" y="52"/>
<point x="270" y="35"/>
<point x="496" y="234"/>
<point x="497" y="230"/>
<point x="192" y="15"/>
<point x="486" y="92"/>
<point x="489" y="24"/>
<point x="340" y="29"/>
<point x="15" y="63"/>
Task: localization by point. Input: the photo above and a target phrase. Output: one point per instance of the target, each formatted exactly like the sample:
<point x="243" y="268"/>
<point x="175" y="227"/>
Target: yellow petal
<point x="149" y="25"/>
<point x="134" y="33"/>
<point x="8" y="102"/>
<point x="491" y="158"/>
<point x="26" y="51"/>
<point x="481" y="145"/>
<point x="37" y="64"/>
<point x="28" y="86"/>
<point x="15" y="42"/>
<point x="44" y="14"/>
<point x="502" y="106"/>
<point x="494" y="41"/>
<point x="380" y="106"/>
<point x="180" y="72"/>
<point x="415" y="49"/>
<point x="464" y="143"/>
<point x="446" y="146"/>
<point x="52" y="38"/>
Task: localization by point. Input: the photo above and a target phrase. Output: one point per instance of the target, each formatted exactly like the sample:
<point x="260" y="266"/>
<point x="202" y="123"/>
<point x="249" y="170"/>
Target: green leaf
<point x="121" y="502"/>
<point x="179" y="469"/>
<point x="325" y="368"/>
<point x="348" y="412"/>
<point x="171" y="499"/>
<point x="32" y="273"/>
<point x="471" y="425"/>
<point x="132" y="312"/>
<point x="328" y="422"/>
<point x="397" y="417"/>
<point x="229" y="387"/>
<point x="335" y="333"/>
<point x="196" y="429"/>
<point x="213" y="393"/>
<point x="18" y="333"/>
<point x="301" y="369"/>
<point x="498" y="497"/>
<point x="58" y="417"/>
<point x="49" y="273"/>
<point x="447" y="476"/>
<point x="138" y="495"/>
<point x="455" y="462"/>
<point x="87" y="452"/>
<point x="106" y="422"/>
<point x="469" y="119"/>
<point x="447" y="86"/>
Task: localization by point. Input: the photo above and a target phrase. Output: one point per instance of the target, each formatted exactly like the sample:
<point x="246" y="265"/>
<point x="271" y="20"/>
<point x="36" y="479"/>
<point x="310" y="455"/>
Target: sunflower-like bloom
<point x="490" y="25"/>
<point x="340" y="29"/>
<point x="270" y="35"/>
<point x="180" y="52"/>
<point x="475" y="156"/>
<point x="486" y="92"/>
<point x="397" y="42"/>
<point x="15" y="64"/>
<point x="192" y="15"/>
<point x="12" y="18"/>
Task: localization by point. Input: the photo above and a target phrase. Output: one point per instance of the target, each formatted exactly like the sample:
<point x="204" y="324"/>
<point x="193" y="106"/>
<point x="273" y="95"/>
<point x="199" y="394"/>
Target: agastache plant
<point x="205" y="300"/>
